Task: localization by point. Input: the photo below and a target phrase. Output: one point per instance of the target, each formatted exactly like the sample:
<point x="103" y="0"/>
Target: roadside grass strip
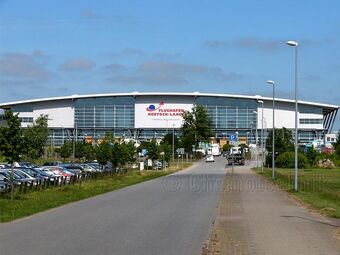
<point x="318" y="188"/>
<point x="40" y="200"/>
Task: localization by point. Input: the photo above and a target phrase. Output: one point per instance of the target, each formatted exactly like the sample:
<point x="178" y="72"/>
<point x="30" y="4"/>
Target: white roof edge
<point x="257" y="97"/>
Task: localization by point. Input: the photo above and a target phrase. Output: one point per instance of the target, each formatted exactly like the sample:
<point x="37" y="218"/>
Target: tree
<point x="66" y="149"/>
<point x="196" y="127"/>
<point x="165" y="150"/>
<point x="11" y="141"/>
<point x="123" y="154"/>
<point x="168" y="139"/>
<point x="35" y="137"/>
<point x="337" y="143"/>
<point x="79" y="149"/>
<point x="153" y="152"/>
<point x="104" y="152"/>
<point x="89" y="151"/>
<point x="226" y="147"/>
<point x="311" y="155"/>
<point x="283" y="143"/>
<point x="337" y="151"/>
<point x="187" y="141"/>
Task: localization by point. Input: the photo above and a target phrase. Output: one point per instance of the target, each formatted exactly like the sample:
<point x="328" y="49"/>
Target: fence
<point x="59" y="181"/>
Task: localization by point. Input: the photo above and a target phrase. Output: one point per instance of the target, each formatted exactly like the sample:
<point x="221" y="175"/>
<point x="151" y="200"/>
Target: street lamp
<point x="75" y="136"/>
<point x="262" y="137"/>
<point x="173" y="142"/>
<point x="273" y="138"/>
<point x="295" y="45"/>
<point x="256" y="139"/>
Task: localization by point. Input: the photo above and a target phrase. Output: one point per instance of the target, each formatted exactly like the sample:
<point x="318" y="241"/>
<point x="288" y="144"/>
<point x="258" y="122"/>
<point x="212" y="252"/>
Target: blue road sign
<point x="233" y="138"/>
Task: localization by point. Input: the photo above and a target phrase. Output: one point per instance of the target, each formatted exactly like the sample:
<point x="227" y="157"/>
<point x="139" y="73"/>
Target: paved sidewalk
<point x="255" y="217"/>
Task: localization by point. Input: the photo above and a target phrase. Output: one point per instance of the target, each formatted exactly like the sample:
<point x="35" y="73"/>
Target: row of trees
<point x="119" y="153"/>
<point x="29" y="143"/>
<point x="17" y="143"/>
<point x="284" y="151"/>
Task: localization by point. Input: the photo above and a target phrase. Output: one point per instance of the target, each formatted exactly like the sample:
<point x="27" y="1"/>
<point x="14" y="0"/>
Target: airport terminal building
<point x="147" y="115"/>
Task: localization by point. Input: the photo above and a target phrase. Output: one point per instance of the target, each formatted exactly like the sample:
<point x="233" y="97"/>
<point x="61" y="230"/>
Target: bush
<point x="287" y="160"/>
<point x="337" y="163"/>
<point x="326" y="163"/>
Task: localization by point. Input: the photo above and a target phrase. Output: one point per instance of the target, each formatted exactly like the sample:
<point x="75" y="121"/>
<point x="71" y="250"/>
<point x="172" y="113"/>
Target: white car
<point x="210" y="158"/>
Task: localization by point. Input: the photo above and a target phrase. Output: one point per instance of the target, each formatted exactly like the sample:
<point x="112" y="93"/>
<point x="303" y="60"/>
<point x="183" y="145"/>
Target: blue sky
<point x="55" y="48"/>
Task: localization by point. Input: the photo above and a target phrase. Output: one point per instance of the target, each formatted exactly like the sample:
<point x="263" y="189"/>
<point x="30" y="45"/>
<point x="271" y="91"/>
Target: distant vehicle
<point x="236" y="155"/>
<point x="209" y="158"/>
<point x="201" y="151"/>
<point x="214" y="150"/>
<point x="157" y="165"/>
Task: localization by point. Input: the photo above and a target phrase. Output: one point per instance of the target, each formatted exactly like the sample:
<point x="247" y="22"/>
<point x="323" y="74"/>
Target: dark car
<point x="5" y="176"/>
<point x="26" y="164"/>
<point x="54" y="163"/>
<point x="39" y="175"/>
<point x="74" y="168"/>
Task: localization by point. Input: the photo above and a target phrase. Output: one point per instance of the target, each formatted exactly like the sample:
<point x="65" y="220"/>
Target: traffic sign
<point x="233" y="138"/>
<point x="180" y="151"/>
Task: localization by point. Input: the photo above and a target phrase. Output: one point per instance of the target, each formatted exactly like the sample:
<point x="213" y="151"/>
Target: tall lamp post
<point x="256" y="138"/>
<point x="173" y="142"/>
<point x="295" y="45"/>
<point x="75" y="136"/>
<point x="273" y="138"/>
<point x="262" y="137"/>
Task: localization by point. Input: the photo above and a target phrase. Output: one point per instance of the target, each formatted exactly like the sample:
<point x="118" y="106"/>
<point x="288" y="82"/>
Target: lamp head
<point x="271" y="82"/>
<point x="292" y="43"/>
<point x="260" y="101"/>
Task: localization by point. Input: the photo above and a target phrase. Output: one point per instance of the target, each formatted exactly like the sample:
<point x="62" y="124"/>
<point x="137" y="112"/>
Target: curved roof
<point x="256" y="97"/>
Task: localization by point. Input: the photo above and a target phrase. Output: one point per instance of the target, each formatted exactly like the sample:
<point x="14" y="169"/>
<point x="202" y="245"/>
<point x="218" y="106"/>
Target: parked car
<point x="26" y="164"/>
<point x="5" y="175"/>
<point x="35" y="173"/>
<point x="158" y="165"/>
<point x="74" y="168"/>
<point x="54" y="163"/>
<point x="88" y="168"/>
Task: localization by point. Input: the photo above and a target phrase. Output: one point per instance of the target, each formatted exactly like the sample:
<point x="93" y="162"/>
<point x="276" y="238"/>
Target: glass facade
<point x="26" y="119"/>
<point x="230" y="113"/>
<point x="94" y="117"/>
<point x="311" y="121"/>
<point x="105" y="113"/>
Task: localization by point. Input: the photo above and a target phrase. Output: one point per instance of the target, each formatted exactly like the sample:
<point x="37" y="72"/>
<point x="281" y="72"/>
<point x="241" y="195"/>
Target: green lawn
<point x="41" y="200"/>
<point x="319" y="188"/>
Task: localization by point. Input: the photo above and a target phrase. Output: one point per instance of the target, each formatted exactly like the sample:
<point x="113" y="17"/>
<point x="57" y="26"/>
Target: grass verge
<point x="319" y="188"/>
<point x="41" y="200"/>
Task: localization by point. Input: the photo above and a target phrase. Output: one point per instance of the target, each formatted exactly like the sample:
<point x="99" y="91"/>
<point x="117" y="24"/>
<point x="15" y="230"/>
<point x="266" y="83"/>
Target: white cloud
<point x="171" y="73"/>
<point x="113" y="68"/>
<point x="251" y="42"/>
<point x="77" y="65"/>
<point x="19" y="67"/>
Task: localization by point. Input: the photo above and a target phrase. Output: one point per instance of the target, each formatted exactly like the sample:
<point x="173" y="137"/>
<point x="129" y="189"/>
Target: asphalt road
<point x="168" y="215"/>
